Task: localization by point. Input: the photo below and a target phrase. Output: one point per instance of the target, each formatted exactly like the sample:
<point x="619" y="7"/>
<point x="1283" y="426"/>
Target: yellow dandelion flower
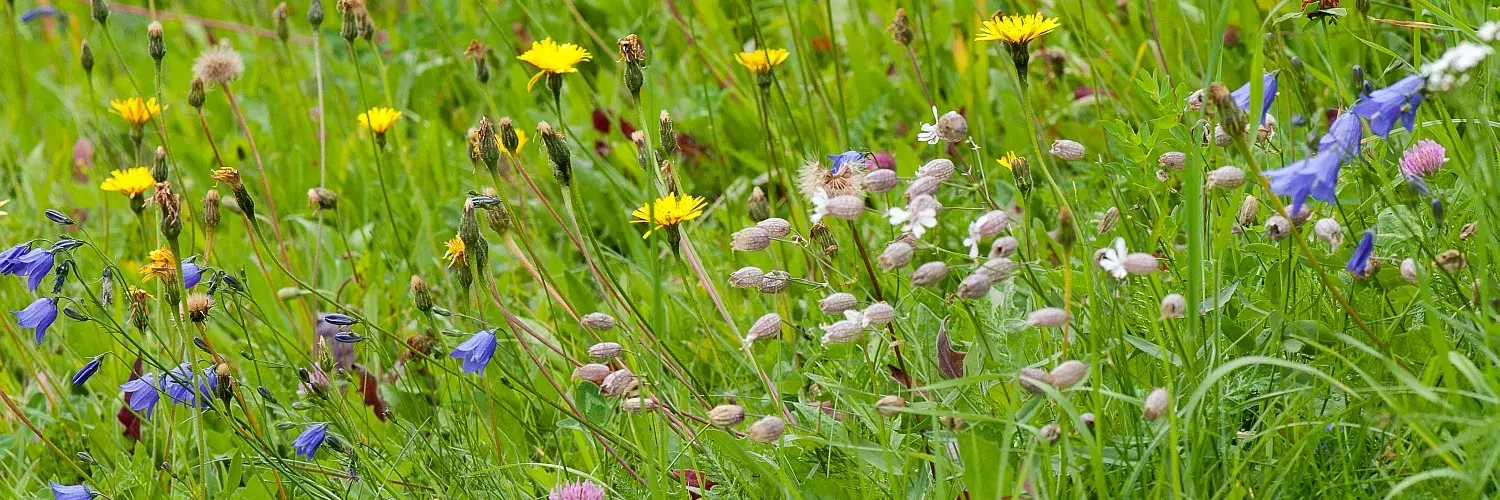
<point x="761" y="61"/>
<point x="130" y="182"/>
<point x="455" y="251"/>
<point x="552" y="58"/>
<point x="379" y="119"/>
<point x="1017" y="30"/>
<point x="668" y="211"/>
<point x="160" y="263"/>
<point x="135" y="110"/>
<point x="1008" y="161"/>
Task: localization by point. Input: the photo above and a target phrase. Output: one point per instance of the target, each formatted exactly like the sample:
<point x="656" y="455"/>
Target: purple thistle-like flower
<point x="178" y="384"/>
<point x="1398" y="101"/>
<point x="581" y="490"/>
<point x="71" y="492"/>
<point x="1359" y="263"/>
<point x="38" y="263"/>
<point x="1241" y="95"/>
<point x="192" y="273"/>
<point x="1318" y="175"/>
<point x="39" y="316"/>
<point x="88" y="370"/>
<point x="837" y="162"/>
<point x="308" y="442"/>
<point x="142" y="392"/>
<point x="10" y="260"/>
<point x="1423" y="159"/>
<point x="476" y="351"/>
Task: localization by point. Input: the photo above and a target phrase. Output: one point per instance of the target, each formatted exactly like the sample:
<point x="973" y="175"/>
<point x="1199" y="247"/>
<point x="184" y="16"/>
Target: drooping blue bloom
<point x="39" y="316"/>
<point x="1241" y="95"/>
<point x="337" y="319"/>
<point x="208" y="384"/>
<point x="837" y="162"/>
<point x="191" y="274"/>
<point x="307" y="444"/>
<point x="142" y="392"/>
<point x="38" y="263"/>
<point x="179" y="384"/>
<point x="1318" y="175"/>
<point x="348" y="337"/>
<point x="476" y="351"/>
<point x="73" y="492"/>
<point x="1398" y="101"/>
<point x="1359" y="263"/>
<point x="10" y="259"/>
<point x="88" y="370"/>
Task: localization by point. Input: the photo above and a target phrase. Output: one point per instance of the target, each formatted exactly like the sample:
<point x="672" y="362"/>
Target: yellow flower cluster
<point x="668" y="211"/>
<point x="161" y="264"/>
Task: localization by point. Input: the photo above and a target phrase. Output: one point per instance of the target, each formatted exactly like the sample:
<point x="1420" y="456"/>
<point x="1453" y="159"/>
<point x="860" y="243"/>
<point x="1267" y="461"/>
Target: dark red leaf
<point x="951" y="362"/>
<point x="900" y="375"/>
<point x="601" y="121"/>
<point x="369" y="386"/>
<point x="694" y="479"/>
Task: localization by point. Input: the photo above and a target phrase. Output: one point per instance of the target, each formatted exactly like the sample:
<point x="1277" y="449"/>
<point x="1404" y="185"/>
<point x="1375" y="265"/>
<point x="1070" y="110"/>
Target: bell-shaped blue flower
<point x="1318" y="175"/>
<point x="71" y="492"/>
<point x="1359" y="263"/>
<point x="39" y="316"/>
<point x="307" y="444"/>
<point x="38" y="263"/>
<point x="143" y="395"/>
<point x="10" y="259"/>
<point x="476" y="352"/>
<point x="191" y="274"/>
<point x="207" y="385"/>
<point x="1241" y="95"/>
<point x="181" y="385"/>
<point x="1399" y="101"/>
<point x="837" y="162"/>
<point x="88" y="370"/>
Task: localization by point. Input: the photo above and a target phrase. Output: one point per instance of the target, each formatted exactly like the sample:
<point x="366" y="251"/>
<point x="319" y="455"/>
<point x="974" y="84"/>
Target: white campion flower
<point x="984" y="226"/>
<point x="1446" y="72"/>
<point x="1112" y="259"/>
<point x="820" y="205"/>
<point x="857" y="317"/>
<point x="1489" y="31"/>
<point x="918" y="216"/>
<point x="929" y="133"/>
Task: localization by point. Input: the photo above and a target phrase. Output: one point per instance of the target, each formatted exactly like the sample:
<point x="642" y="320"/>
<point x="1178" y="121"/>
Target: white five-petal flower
<point x="820" y="205"/>
<point x="929" y="132"/>
<point x="918" y="216"/>
<point x="1112" y="259"/>
<point x="976" y="235"/>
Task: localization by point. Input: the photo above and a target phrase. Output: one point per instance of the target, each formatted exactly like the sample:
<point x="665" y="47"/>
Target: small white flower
<point x="929" y="133"/>
<point x="1446" y="72"/>
<point x="857" y="317"/>
<point x="918" y="216"/>
<point x="820" y="204"/>
<point x="1490" y="31"/>
<point x="1112" y="259"/>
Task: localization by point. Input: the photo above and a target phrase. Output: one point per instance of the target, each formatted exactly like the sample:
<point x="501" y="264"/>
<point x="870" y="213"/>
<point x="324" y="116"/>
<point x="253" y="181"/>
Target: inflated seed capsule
<point x="597" y="321"/>
<point x="767" y="326"/>
<point x="929" y="274"/>
<point x="1068" y="373"/>
<point x="891" y="405"/>
<point x="766" y="430"/>
<point x="746" y="277"/>
<point x="897" y="254"/>
<point x="727" y="415"/>
<point x="837" y="303"/>
<point x="605" y="351"/>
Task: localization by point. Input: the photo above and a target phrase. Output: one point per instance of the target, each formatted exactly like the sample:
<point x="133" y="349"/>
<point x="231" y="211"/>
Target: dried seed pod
<point x="880" y="181"/>
<point x="1032" y="379"/>
<point x="619" y="383"/>
<point x="890" y="405"/>
<point x="1140" y="263"/>
<point x="1067" y="150"/>
<point x="1452" y="260"/>
<point x="1409" y="271"/>
<point x="1047" y="316"/>
<point x="640" y="405"/>
<point x="1157" y="404"/>
<point x="1087" y="421"/>
<point x="605" y="351"/>
<point x="775" y="282"/>
<point x="823" y="238"/>
<point x="1068" y="373"/>
<point x="1249" y="211"/>
<point x="766" y="327"/>
<point x="837" y="303"/>
<point x="879" y="313"/>
<point x="922" y="186"/>
<point x="929" y="274"/>
<point x="727" y="415"/>
<point x="975" y="286"/>
<point x="750" y="239"/>
<point x="897" y="254"/>
<point x="1277" y="228"/>
<point x="1329" y="231"/>
<point x="1173" y="306"/>
<point x="1004" y="246"/>
<point x="1468" y="230"/>
<point x="845" y="207"/>
<point x="746" y="277"/>
<point x="597" y="321"/>
<point x="1172" y="160"/>
<point x="774" y="226"/>
<point x="766" y="430"/>
<point x="592" y="372"/>
<point x="940" y="169"/>
<point x="1227" y="177"/>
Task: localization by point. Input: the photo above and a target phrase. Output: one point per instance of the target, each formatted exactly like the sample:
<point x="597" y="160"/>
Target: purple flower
<point x="142" y="392"/>
<point x="581" y="490"/>
<point x="1423" y="159"/>
<point x="476" y="351"/>
<point x="885" y="160"/>
<point x="1241" y="95"/>
<point x="837" y="162"/>
<point x="1317" y="176"/>
<point x="10" y="259"/>
<point x="38" y="263"/>
<point x="178" y="384"/>
<point x="88" y="370"/>
<point x="1383" y="107"/>
<point x="74" y="492"/>
<point x="1359" y="263"/>
<point x="207" y="384"/>
<point x="191" y="274"/>
<point x="39" y="316"/>
<point x="307" y="444"/>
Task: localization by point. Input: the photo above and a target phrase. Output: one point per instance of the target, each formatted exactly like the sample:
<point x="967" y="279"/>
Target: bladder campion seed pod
<point x="1227" y="177"/>
<point x="1049" y="434"/>
<point x="1249" y="211"/>
<point x="758" y="207"/>
<point x="766" y="327"/>
<point x="879" y="313"/>
<point x="922" y="186"/>
<point x="1157" y="404"/>
<point x="640" y="405"/>
<point x="1452" y="260"/>
<point x="891" y="405"/>
<point x="1409" y="270"/>
<point x="766" y="430"/>
<point x="727" y="415"/>
<point x="1003" y="247"/>
<point x="842" y="331"/>
<point x="846" y="207"/>
<point x="1277" y="227"/>
<point x="1172" y="160"/>
<point x="897" y="254"/>
<point x="1067" y="150"/>
<point x="1140" y="263"/>
<point x="321" y="198"/>
<point x="775" y="282"/>
<point x="929" y="274"/>
<point x="1173" y="306"/>
<point x="592" y="372"/>
<point x="1087" y="420"/>
<point x="975" y="286"/>
<point x="1047" y="316"/>
<point x="750" y="239"/>
<point x="880" y="180"/>
<point x="998" y="269"/>
<point x="1329" y="231"/>
<point x="746" y="277"/>
<point x="775" y="226"/>
<point x="605" y="351"/>
<point x="837" y="303"/>
<point x="1032" y="379"/>
<point x="952" y="127"/>
<point x="940" y="169"/>
<point x="1068" y="373"/>
<point x="619" y="383"/>
<point x="597" y="321"/>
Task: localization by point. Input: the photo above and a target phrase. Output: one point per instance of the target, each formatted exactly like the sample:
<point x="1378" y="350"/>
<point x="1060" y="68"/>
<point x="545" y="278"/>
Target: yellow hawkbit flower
<point x="1017" y="30"/>
<point x="761" y="61"/>
<point x="379" y="119"/>
<point x="668" y="211"/>
<point x="1008" y="161"/>
<point x="130" y="182"/>
<point x="135" y="110"/>
<point x="552" y="58"/>
<point x="455" y="252"/>
<point x="162" y="264"/>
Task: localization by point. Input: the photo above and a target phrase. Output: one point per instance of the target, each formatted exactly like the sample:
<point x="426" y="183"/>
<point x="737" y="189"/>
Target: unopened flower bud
<point x="195" y="96"/>
<point x="823" y="238"/>
<point x="1067" y="233"/>
<point x="757" y="205"/>
<point x="211" y="209"/>
<point x="557" y="154"/>
<point x="154" y="45"/>
<point x="421" y="294"/>
<point x="666" y="135"/>
<point x="159" y="171"/>
<point x="315" y="14"/>
<point x="633" y="54"/>
<point x="900" y="28"/>
<point x="86" y="58"/>
<point x="1020" y="171"/>
<point x="100" y="10"/>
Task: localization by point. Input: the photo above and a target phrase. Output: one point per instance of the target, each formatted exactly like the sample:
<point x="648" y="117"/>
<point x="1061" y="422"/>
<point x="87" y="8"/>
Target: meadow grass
<point x="298" y="293"/>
